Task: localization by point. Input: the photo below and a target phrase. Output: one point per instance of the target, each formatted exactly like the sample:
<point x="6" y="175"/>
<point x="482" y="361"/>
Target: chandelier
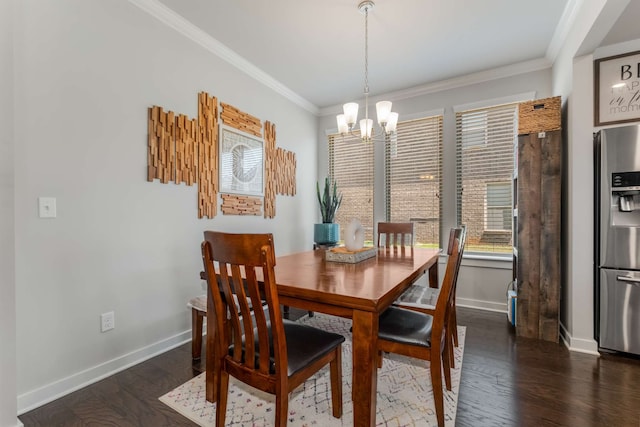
<point x="386" y="118"/>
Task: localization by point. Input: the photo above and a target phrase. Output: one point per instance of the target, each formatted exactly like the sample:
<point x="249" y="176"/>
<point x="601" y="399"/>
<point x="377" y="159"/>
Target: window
<point x="413" y="176"/>
<point x="498" y="207"/>
<point x="351" y="166"/>
<point x="475" y="130"/>
<point x="484" y="169"/>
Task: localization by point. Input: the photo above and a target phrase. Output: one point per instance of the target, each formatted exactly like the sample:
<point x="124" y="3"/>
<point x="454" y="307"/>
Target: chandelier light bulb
<point x="392" y="123"/>
<point x="342" y="124"/>
<point x="366" y="126"/>
<point x="350" y="113"/>
<point x="383" y="109"/>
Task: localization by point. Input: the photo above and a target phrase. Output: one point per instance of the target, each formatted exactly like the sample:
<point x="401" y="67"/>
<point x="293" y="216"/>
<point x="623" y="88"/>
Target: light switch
<point x="47" y="207"/>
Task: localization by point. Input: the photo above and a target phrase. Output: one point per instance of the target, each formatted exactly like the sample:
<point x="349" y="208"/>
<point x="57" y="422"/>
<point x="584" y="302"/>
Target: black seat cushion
<point x="405" y="326"/>
<point x="305" y="344"/>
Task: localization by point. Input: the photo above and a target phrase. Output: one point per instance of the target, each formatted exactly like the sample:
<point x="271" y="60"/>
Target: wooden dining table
<point x="360" y="291"/>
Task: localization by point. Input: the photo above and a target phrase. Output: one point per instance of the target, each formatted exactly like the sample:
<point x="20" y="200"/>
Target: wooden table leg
<point x="212" y="364"/>
<point x="365" y="368"/>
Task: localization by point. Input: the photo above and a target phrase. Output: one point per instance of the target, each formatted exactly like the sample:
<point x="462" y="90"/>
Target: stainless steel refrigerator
<point x="617" y="249"/>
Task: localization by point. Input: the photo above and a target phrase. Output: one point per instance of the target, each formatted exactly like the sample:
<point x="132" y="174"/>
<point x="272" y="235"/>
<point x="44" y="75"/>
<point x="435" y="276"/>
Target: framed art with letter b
<point x="617" y="89"/>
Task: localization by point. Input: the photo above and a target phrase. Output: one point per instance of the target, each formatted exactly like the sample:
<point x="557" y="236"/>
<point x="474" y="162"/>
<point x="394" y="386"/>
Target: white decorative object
<point x="354" y="235"/>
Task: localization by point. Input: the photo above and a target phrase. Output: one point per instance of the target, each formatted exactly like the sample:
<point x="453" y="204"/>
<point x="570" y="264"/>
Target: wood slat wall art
<point x="160" y="145"/>
<point x="237" y="119"/>
<point x="233" y="204"/>
<point x="270" y="170"/>
<point x="269" y="135"/>
<point x="286" y="179"/>
<point x="187" y="137"/>
<point x="186" y="150"/>
<point x="207" y="155"/>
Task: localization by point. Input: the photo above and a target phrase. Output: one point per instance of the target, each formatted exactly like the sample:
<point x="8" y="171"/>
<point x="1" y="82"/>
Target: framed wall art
<point x="241" y="163"/>
<point x="617" y="89"/>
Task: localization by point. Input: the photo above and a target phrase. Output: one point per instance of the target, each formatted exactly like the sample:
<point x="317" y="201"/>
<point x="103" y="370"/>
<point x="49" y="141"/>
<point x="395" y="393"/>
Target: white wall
<point x="573" y="79"/>
<point x="482" y="283"/>
<point x="7" y="269"/>
<point x="86" y="72"/>
<point x="579" y="319"/>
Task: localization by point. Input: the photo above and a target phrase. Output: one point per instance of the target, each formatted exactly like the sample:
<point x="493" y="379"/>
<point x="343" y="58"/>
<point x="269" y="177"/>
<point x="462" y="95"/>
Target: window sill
<point x="501" y="262"/>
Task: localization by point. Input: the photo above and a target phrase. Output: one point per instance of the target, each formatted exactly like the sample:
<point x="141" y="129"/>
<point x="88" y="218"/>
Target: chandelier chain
<point x="366" y="62"/>
<point x="366" y="50"/>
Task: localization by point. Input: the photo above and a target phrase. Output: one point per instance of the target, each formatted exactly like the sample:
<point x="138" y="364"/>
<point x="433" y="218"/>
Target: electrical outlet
<point x="108" y="321"/>
<point x="47" y="207"/>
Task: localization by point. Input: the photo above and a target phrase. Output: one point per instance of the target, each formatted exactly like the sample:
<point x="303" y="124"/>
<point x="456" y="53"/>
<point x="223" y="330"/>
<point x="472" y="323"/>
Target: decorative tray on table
<point x="341" y="254"/>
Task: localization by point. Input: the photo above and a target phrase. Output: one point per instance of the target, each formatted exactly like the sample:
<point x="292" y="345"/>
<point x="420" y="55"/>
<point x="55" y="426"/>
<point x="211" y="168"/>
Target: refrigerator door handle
<point x="630" y="279"/>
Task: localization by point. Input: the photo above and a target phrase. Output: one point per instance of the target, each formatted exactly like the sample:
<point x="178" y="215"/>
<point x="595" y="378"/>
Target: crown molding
<point x="562" y="29"/>
<point x="170" y="18"/>
<point x="454" y="83"/>
<point x="518" y="97"/>
<point x="187" y="29"/>
<point x="617" y="49"/>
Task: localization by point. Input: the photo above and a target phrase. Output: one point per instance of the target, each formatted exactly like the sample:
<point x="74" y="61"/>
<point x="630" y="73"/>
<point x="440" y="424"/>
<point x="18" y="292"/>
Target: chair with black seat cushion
<point x="264" y="351"/>
<point x="415" y="334"/>
<point x="395" y="234"/>
<point x="420" y="297"/>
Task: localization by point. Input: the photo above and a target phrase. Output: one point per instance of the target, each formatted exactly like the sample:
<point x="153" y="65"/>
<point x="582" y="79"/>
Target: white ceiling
<point x="626" y="28"/>
<point x="316" y="48"/>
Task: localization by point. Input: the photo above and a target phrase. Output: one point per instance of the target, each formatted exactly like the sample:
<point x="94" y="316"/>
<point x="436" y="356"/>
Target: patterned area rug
<point x="404" y="393"/>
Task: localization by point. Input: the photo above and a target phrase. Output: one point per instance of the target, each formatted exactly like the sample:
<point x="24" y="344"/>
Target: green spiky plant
<point x="329" y="201"/>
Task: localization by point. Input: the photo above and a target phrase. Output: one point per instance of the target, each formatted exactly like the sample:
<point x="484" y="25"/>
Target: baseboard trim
<point x="19" y="423"/>
<point x="573" y="344"/>
<point x="578" y="344"/>
<point x="482" y="305"/>
<point x="50" y="392"/>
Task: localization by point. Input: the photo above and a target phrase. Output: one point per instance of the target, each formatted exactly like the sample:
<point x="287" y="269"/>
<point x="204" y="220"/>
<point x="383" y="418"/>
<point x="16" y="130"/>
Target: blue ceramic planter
<point x="326" y="234"/>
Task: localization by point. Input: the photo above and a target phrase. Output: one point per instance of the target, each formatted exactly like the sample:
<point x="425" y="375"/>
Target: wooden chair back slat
<point x="400" y="233"/>
<point x="443" y="302"/>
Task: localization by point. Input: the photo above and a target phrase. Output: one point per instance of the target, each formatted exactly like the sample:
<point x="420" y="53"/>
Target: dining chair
<point x="265" y="351"/>
<point x="198" y="306"/>
<point x="423" y="336"/>
<point x="422" y="298"/>
<point x="400" y="233"/>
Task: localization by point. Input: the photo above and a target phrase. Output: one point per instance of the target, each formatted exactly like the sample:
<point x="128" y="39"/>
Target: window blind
<point x="484" y="169"/>
<point x="413" y="177"/>
<point x="351" y="166"/>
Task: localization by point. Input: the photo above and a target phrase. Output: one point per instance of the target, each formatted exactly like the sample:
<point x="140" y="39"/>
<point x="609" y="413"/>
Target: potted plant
<point x="327" y="233"/>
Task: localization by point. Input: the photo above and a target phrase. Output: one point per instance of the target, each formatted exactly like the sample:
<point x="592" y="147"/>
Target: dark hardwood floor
<point x="506" y="381"/>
